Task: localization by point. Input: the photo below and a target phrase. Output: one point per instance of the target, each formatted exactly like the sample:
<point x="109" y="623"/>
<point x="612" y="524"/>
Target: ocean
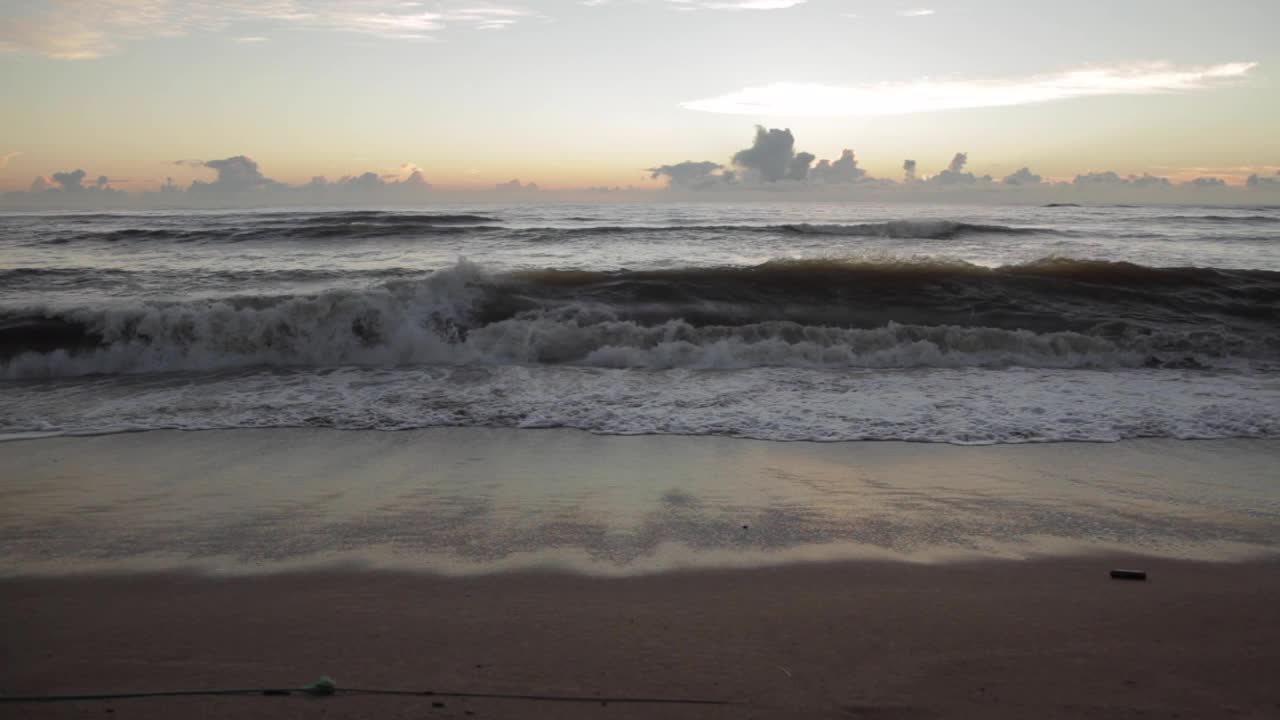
<point x="770" y="320"/>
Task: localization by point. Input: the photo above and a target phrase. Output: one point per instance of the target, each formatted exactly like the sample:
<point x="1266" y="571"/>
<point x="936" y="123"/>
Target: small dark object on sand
<point x="1128" y="574"/>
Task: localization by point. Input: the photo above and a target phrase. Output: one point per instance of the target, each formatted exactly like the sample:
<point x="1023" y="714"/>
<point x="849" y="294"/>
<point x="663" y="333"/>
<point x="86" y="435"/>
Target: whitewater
<point x="782" y="321"/>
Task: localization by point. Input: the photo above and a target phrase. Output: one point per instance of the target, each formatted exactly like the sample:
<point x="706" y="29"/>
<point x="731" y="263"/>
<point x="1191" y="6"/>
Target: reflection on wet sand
<point x="461" y="500"/>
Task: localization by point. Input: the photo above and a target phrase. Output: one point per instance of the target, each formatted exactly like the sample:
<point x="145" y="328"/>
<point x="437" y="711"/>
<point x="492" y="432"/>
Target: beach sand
<point x="991" y="639"/>
<point x="877" y="580"/>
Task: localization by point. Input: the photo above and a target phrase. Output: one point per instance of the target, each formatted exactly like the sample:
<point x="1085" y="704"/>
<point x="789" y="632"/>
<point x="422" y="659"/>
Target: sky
<point x="582" y="93"/>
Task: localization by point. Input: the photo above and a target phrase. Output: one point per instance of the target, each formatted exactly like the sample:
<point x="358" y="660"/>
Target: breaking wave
<point x="1053" y="313"/>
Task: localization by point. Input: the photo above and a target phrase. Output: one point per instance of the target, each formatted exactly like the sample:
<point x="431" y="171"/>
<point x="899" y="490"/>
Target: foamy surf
<point x="1055" y="313"/>
<point x="780" y="322"/>
<point x="957" y="406"/>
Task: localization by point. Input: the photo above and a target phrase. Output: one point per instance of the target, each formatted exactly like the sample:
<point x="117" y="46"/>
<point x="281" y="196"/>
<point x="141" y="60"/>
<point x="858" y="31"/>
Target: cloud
<point x="5" y="158"/>
<point x="693" y="5"/>
<point x="1206" y="183"/>
<point x="770" y="156"/>
<point x="955" y="174"/>
<point x="92" y="29"/>
<point x="770" y="164"/>
<point x="1259" y="182"/>
<point x="735" y="4"/>
<point x="70" y="181"/>
<point x="798" y="168"/>
<point x="84" y="30"/>
<point x="369" y="183"/>
<point x="920" y="12"/>
<point x="1096" y="179"/>
<point x="770" y="160"/>
<point x="235" y="174"/>
<point x="1113" y="180"/>
<point x="488" y="18"/>
<point x="240" y="176"/>
<point x="514" y="185"/>
<point x="1148" y="181"/>
<point x="844" y="170"/>
<point x="690" y="174"/>
<point x="930" y="95"/>
<point x="1023" y="176"/>
<point x="240" y="181"/>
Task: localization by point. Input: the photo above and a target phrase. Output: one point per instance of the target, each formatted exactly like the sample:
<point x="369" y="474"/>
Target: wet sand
<point x="464" y="500"/>
<point x="992" y="639"/>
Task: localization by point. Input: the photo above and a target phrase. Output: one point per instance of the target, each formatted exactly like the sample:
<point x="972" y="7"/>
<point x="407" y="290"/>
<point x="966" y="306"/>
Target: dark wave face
<point x="353" y="227"/>
<point x="917" y="229"/>
<point x="1045" y="296"/>
<point x="1052" y="313"/>
<point x="356" y="225"/>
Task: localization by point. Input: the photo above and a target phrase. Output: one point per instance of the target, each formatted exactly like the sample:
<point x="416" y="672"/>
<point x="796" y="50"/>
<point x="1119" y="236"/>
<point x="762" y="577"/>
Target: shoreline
<point x="465" y="500"/>
<point x="57" y="435"/>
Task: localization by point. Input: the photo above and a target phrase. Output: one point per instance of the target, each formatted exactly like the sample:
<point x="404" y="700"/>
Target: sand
<point x="992" y="639"/>
<point x="877" y="580"/>
<point x="462" y="500"/>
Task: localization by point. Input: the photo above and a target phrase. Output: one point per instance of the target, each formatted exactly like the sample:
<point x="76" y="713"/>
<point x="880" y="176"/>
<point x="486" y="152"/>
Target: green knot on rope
<point x="323" y="686"/>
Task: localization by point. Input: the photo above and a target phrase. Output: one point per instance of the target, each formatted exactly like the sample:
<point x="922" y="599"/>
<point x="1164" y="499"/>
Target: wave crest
<point x="826" y="314"/>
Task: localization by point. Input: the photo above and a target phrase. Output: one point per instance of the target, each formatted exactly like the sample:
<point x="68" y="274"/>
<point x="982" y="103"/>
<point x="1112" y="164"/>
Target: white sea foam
<point x="436" y="321"/>
<point x="962" y="406"/>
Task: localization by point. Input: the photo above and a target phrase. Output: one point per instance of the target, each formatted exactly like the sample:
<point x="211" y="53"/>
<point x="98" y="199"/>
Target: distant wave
<point x="277" y="226"/>
<point x="358" y="226"/>
<point x="1229" y="219"/>
<point x="916" y="229"/>
<point x="901" y="229"/>
<point x="376" y="225"/>
<point x="1057" y="312"/>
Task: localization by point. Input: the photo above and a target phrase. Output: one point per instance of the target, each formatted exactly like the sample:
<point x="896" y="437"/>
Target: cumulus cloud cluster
<point x="771" y="159"/>
<point x="238" y="180"/>
<point x="235" y="174"/>
<point x="1111" y="179"/>
<point x="690" y="174"/>
<point x="1260" y="182"/>
<point x="1022" y="177"/>
<point x="772" y="156"/>
<point x="72" y="182"/>
<point x="771" y="162"/>
<point x="514" y="186"/>
<point x="954" y="174"/>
